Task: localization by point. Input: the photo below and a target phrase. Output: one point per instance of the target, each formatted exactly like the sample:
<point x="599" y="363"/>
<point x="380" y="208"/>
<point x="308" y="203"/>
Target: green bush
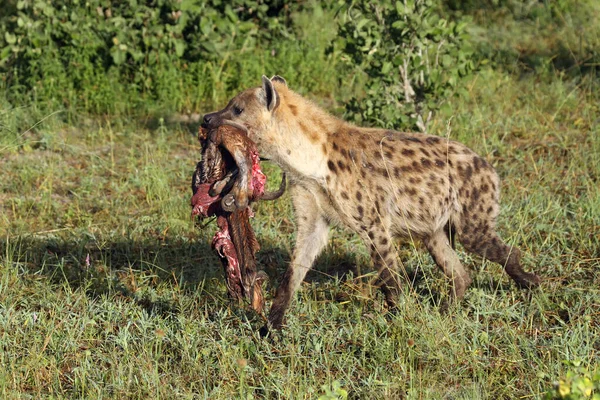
<point x="413" y="58"/>
<point x="104" y="56"/>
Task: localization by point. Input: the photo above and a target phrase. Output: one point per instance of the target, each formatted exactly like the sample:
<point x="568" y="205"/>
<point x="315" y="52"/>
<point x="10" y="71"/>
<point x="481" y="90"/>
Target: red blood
<point x="224" y="246"/>
<point x="257" y="184"/>
<point x="203" y="204"/>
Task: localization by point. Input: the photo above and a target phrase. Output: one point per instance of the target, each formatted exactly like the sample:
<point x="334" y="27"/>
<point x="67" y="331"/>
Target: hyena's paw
<point x="526" y="280"/>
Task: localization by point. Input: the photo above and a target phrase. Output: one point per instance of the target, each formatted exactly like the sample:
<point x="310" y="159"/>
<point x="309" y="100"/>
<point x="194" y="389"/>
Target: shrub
<point x="97" y="54"/>
<point x="578" y="384"/>
<point x="413" y="58"/>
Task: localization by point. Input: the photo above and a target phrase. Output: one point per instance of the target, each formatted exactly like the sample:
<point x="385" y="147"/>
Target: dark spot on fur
<point x="341" y="165"/>
<point x="383" y="241"/>
<point x="397" y="172"/>
<point x="432" y="140"/>
<point x="345" y="196"/>
<point x="324" y="149"/>
<point x="425" y="152"/>
<point x="361" y="211"/>
<point x="439" y="163"/>
<point x="416" y="167"/>
<point x="371" y="235"/>
<point x="358" y="196"/>
<point x="425" y="162"/>
<point x="408" y="152"/>
<point x="414" y="180"/>
<point x="475" y="195"/>
<point x="412" y="139"/>
<point x="489" y="210"/>
<point x="331" y="166"/>
<point x="421" y="200"/>
<point x="465" y="173"/>
<point x="335" y="146"/>
<point x="476" y="163"/>
<point x="484" y="188"/>
<point x="411" y="191"/>
<point x="293" y="109"/>
<point x="344" y="152"/>
<point x="388" y="154"/>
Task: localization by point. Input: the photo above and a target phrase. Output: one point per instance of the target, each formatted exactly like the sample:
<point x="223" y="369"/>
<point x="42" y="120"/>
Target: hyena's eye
<point x="237" y="110"/>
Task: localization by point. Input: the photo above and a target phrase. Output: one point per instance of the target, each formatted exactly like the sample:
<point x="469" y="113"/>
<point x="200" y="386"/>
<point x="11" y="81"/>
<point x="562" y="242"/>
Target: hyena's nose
<point x="208" y="118"/>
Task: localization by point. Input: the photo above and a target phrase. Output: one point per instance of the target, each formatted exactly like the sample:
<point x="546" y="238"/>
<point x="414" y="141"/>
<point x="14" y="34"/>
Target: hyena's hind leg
<point x="484" y="241"/>
<point x="442" y="252"/>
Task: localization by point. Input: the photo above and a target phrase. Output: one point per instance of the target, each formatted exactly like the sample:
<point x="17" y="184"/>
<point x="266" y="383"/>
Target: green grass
<point x="148" y="316"/>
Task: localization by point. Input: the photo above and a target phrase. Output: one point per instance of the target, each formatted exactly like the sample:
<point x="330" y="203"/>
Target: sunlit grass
<point x="109" y="290"/>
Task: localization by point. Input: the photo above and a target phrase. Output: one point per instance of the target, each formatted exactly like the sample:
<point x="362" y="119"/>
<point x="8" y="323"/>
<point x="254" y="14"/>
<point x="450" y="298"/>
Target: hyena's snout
<point x="211" y="120"/>
<point x="217" y="118"/>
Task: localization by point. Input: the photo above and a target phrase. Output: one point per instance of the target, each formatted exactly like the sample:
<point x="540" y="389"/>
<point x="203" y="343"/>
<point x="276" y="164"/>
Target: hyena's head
<point x="253" y="111"/>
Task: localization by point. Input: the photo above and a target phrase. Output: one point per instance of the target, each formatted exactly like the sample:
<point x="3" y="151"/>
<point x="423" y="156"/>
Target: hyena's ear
<point x="277" y="78"/>
<point x="271" y="97"/>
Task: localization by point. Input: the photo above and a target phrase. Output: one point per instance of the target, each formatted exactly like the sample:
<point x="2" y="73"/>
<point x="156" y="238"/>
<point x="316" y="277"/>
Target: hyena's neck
<point x="302" y="132"/>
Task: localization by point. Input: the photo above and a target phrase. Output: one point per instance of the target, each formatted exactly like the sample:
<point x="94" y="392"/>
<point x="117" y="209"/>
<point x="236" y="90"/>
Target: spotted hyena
<point x="379" y="183"/>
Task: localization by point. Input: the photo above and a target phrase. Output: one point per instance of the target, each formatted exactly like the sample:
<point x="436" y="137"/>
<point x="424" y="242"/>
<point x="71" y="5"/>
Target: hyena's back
<point x="420" y="183"/>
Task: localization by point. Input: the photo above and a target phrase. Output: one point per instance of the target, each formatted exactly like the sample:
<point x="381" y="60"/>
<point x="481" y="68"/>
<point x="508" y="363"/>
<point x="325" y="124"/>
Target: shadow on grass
<point x="123" y="267"/>
<point x="136" y="269"/>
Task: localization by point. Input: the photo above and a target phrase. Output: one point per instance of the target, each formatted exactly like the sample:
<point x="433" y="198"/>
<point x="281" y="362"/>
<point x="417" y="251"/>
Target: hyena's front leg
<point x="311" y="237"/>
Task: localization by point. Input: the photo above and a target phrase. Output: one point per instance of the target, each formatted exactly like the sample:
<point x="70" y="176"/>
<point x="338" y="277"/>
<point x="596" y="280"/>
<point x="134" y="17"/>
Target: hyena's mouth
<point x="226" y="180"/>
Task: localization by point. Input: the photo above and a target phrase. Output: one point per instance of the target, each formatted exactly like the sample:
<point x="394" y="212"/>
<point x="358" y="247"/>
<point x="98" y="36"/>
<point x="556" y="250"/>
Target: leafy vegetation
<point x="109" y="290"/>
<point x="414" y="59"/>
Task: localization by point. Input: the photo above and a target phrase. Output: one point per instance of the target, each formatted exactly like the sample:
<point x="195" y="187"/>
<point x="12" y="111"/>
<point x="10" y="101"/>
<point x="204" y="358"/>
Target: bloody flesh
<point x="224" y="150"/>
